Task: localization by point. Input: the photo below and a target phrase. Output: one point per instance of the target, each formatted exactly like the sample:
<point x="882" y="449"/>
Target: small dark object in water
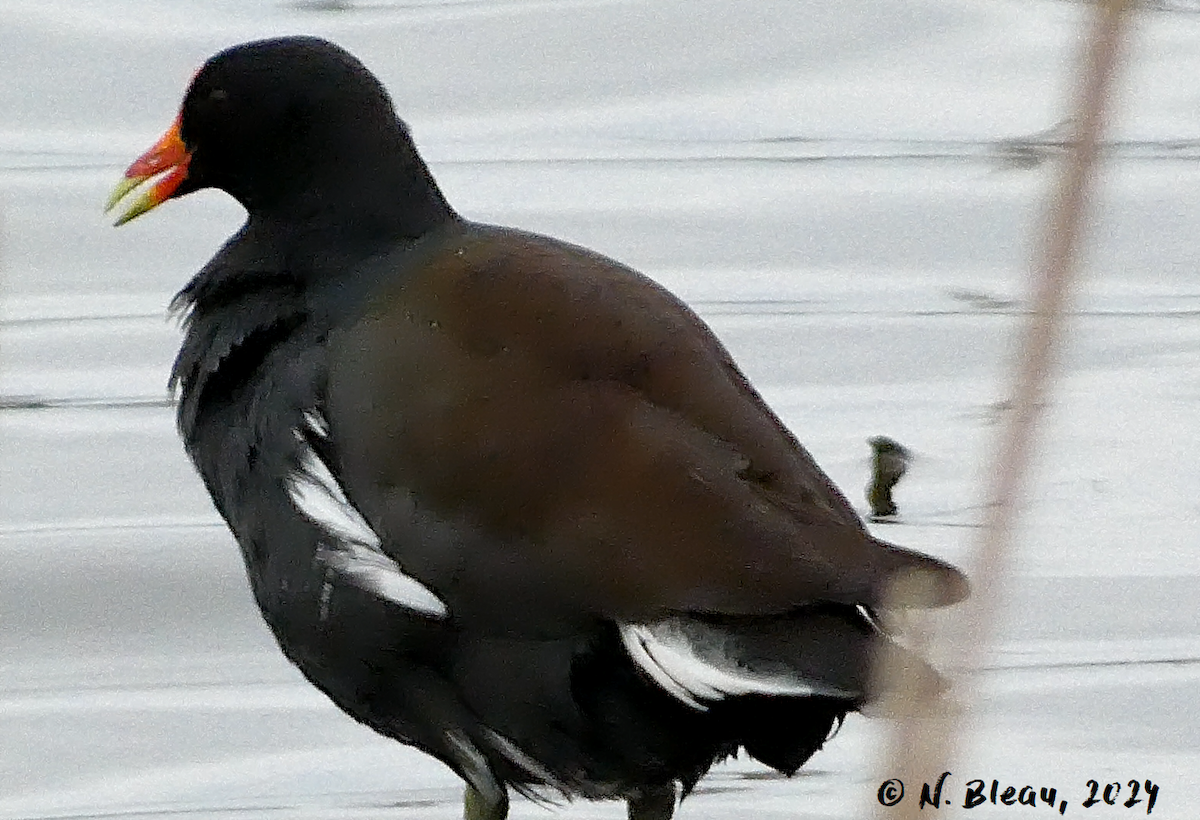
<point x="889" y="463"/>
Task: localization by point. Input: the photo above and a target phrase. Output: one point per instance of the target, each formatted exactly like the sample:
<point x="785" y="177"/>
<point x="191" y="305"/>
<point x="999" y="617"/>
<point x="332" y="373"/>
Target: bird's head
<point x="274" y="123"/>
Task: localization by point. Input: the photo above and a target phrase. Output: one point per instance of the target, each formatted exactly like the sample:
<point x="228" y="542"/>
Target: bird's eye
<point x="218" y="95"/>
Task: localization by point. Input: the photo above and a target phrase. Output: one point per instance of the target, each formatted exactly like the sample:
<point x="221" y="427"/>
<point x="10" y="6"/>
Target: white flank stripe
<point x="354" y="553"/>
<point x="316" y="423"/>
<point x="376" y="573"/>
<point x="695" y="670"/>
<point x="317" y="494"/>
<point x="871" y="620"/>
<point x="475" y="768"/>
<point x="520" y="759"/>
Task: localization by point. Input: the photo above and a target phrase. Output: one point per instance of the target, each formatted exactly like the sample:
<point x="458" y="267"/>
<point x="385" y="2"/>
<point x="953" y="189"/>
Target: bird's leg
<point x="478" y="806"/>
<point x="657" y="803"/>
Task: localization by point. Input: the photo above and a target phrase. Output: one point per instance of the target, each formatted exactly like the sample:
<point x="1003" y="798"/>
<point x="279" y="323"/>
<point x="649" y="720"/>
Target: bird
<point x="499" y="497"/>
<point x="889" y="463"/>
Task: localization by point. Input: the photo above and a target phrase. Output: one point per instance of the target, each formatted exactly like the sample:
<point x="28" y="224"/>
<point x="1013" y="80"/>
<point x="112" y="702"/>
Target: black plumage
<point x="499" y="497"/>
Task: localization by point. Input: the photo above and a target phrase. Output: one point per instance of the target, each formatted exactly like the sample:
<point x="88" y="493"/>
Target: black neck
<point x="375" y="188"/>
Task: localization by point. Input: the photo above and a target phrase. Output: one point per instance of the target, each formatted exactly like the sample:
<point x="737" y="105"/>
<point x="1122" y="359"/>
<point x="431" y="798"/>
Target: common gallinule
<point x="499" y="497"/>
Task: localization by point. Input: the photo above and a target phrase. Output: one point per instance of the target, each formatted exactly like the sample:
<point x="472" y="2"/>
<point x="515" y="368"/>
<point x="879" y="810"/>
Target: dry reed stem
<point x="926" y="732"/>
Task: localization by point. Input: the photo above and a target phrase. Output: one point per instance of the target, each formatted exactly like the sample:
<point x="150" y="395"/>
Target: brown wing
<point x="543" y="418"/>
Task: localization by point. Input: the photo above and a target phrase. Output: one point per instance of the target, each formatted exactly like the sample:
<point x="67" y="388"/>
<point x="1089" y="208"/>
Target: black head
<point x="292" y="127"/>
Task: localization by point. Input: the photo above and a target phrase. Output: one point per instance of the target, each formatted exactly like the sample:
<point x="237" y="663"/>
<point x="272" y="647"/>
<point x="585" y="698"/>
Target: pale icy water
<point x="847" y="192"/>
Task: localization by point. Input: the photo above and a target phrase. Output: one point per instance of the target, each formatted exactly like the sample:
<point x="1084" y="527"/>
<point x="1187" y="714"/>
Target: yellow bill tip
<point x="139" y="206"/>
<point x="119" y="192"/>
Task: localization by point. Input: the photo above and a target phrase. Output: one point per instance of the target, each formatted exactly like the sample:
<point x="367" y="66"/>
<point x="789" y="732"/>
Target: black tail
<point x="782" y="732"/>
<point x="776" y="685"/>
